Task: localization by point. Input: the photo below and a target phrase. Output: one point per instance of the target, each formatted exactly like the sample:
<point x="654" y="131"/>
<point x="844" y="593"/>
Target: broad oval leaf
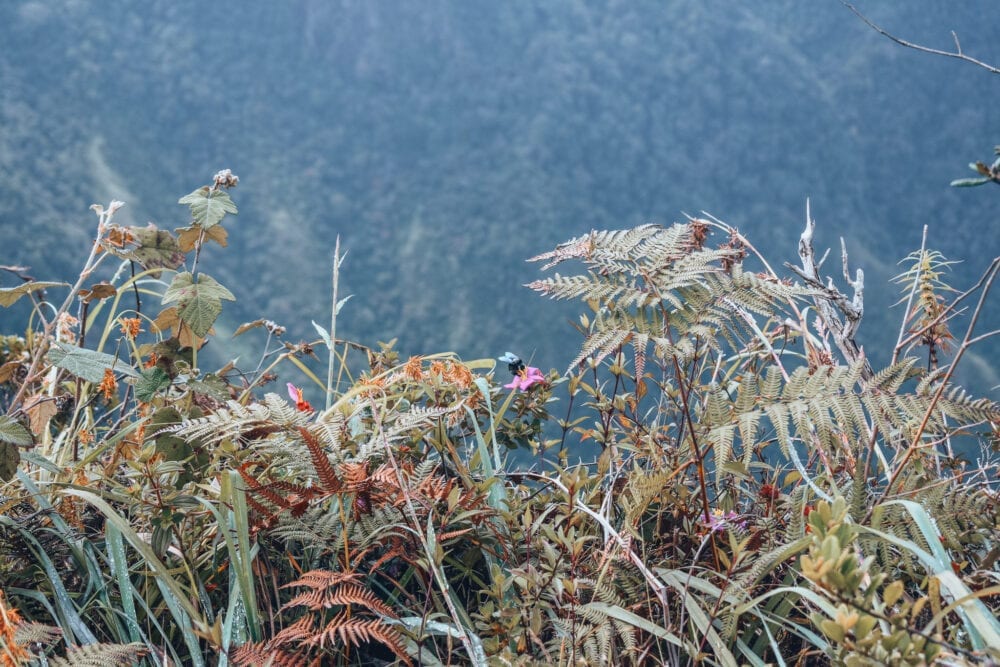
<point x="87" y="364"/>
<point x="157" y="248"/>
<point x="8" y="295"/>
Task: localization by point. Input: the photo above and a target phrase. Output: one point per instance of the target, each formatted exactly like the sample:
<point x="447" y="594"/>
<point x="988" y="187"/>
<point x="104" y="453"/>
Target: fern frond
<point x="100" y="655"/>
<point x="346" y="631"/>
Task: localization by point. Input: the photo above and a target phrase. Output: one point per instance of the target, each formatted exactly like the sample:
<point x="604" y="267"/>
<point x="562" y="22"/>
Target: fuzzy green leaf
<point x="87" y="364"/>
<point x="13" y="433"/>
<point x="208" y="206"/>
<point x="150" y="382"/>
<point x="8" y="295"/>
<point x="199" y="302"/>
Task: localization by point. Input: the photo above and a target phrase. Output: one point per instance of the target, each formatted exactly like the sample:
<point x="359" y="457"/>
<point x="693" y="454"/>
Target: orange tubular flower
<point x="301" y="404"/>
<point x="130" y="327"/>
<point x="109" y="385"/>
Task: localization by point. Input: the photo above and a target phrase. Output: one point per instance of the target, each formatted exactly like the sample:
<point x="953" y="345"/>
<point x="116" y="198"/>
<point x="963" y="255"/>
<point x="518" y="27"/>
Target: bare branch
<point x="957" y="53"/>
<point x="839" y="315"/>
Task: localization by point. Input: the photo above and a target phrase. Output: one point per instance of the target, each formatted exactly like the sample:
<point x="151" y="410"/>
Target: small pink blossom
<point x="301" y="404"/>
<point x="526" y="379"/>
<point x="720" y="520"/>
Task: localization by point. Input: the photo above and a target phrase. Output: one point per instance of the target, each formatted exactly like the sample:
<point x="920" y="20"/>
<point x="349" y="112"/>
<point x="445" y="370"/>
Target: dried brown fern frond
<point x="329" y="589"/>
<point x="345" y="630"/>
<point x="321" y="462"/>
<point x="361" y="619"/>
<point x="262" y="654"/>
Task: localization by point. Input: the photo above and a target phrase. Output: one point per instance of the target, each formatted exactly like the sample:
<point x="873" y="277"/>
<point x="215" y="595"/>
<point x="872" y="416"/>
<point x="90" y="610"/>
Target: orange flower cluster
<point x="66" y="328"/>
<point x="374" y="385"/>
<point x="13" y="654"/>
<point x="130" y="327"/>
<point x="456" y="374"/>
<point x="109" y="385"/>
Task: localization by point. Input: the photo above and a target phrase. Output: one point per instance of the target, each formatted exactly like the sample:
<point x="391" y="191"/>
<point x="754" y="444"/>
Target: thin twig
<point x="957" y="53"/>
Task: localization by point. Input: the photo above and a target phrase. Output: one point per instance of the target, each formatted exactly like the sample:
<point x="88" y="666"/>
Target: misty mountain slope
<point x="447" y="142"/>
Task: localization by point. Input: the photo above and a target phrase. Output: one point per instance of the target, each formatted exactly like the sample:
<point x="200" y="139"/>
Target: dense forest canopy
<point x="446" y="142"/>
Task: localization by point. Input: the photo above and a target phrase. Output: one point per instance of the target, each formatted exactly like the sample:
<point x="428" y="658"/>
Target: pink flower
<point x="301" y="404"/>
<point x="720" y="520"/>
<point x="526" y="379"/>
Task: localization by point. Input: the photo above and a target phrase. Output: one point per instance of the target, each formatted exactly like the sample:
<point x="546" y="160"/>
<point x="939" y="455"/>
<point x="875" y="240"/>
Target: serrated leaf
<point x="87" y="364"/>
<point x="200" y="312"/>
<point x="208" y="286"/>
<point x="8" y="295"/>
<point x="150" y="382"/>
<point x="188" y="237"/>
<point x="183" y="286"/>
<point x="166" y="320"/>
<point x="969" y="182"/>
<point x="9" y="458"/>
<point x="157" y="248"/>
<point x="13" y="432"/>
<point x="208" y="206"/>
<point x="199" y="302"/>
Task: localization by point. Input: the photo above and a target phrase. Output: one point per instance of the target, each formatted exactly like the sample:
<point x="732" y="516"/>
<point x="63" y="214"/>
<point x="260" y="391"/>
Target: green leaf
<point x="9" y="458"/>
<point x="8" y="295"/>
<point x="200" y="314"/>
<point x="208" y="206"/>
<point x="969" y="182"/>
<point x="625" y="616"/>
<point x="157" y="248"/>
<point x="13" y="432"/>
<point x="210" y="385"/>
<point x="324" y="334"/>
<point x="199" y="302"/>
<point x="87" y="364"/>
<point x="150" y="382"/>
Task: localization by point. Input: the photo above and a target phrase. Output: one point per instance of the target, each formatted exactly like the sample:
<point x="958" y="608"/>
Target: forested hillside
<point x="446" y="142"/>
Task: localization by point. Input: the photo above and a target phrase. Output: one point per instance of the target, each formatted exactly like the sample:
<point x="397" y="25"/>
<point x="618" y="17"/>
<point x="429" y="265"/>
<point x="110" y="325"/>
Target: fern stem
<point x="986" y="282"/>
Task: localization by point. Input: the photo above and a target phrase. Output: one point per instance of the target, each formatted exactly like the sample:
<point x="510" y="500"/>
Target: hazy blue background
<point x="448" y="141"/>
